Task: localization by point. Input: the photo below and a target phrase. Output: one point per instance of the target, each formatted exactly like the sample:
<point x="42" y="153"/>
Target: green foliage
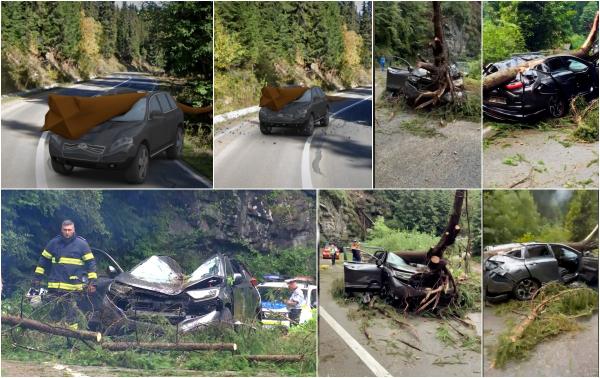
<point x="398" y="240"/>
<point x="500" y="40"/>
<point x="289" y="262"/>
<point x="582" y="216"/>
<point x="587" y="114"/>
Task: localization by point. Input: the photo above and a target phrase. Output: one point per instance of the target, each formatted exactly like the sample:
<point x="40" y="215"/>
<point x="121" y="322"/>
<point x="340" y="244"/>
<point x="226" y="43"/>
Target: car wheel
<point x="564" y="272"/>
<point x="138" y="169"/>
<point x="63" y="169"/>
<point x="556" y="106"/>
<point x="525" y="289"/>
<point x="266" y="130"/>
<point x="176" y="150"/>
<point x="309" y="126"/>
<point x="325" y="120"/>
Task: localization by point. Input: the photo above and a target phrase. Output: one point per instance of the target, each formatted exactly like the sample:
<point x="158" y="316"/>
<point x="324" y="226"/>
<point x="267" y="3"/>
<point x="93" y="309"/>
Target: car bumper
<point x="495" y="284"/>
<point x="511" y="114"/>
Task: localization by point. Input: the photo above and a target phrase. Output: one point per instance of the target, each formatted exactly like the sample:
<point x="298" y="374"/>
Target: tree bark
<point x="275" y="357"/>
<point x="497" y="78"/>
<point x="121" y="346"/>
<point x="51" y="329"/>
<point x="452" y="229"/>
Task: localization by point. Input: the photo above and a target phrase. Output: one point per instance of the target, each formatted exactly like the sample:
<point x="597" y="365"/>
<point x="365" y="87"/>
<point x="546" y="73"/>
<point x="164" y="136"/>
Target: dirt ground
<point x="413" y="151"/>
<point x="434" y="359"/>
<point x="570" y="354"/>
<point x="539" y="159"/>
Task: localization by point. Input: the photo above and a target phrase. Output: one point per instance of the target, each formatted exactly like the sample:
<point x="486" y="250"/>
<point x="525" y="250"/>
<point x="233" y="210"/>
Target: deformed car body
<point x="302" y="114"/>
<point x="221" y="290"/>
<point x="127" y="142"/>
<point x="411" y="82"/>
<point x="390" y="276"/>
<point x="521" y="270"/>
<point x="274" y="312"/>
<point x="543" y="90"/>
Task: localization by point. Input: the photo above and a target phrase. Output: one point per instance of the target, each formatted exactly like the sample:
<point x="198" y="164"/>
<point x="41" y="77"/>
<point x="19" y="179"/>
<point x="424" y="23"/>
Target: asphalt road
<point x="337" y="156"/>
<point x="25" y="157"/>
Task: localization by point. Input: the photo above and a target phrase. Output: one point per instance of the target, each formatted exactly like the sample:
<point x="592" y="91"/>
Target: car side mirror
<point x="237" y="278"/>
<point x="112" y="271"/>
<point x="156" y="114"/>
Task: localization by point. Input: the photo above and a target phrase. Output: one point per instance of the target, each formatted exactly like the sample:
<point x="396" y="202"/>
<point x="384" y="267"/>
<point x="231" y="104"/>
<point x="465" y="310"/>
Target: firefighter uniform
<point x="67" y="264"/>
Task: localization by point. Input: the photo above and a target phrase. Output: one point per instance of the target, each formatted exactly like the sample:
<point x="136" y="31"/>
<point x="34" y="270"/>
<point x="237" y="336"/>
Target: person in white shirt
<point x="296" y="301"/>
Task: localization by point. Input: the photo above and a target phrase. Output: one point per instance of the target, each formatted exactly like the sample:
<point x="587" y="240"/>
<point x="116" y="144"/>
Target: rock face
<point x="262" y="220"/>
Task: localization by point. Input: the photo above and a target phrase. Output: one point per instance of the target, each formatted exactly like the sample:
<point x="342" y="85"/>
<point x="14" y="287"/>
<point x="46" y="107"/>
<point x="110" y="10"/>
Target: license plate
<point x="498" y="100"/>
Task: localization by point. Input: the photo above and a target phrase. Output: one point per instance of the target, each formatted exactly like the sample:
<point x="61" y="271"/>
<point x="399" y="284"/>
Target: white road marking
<point x="235" y="114"/>
<point x="305" y="170"/>
<point x="202" y="179"/>
<point x="360" y="352"/>
<point x="40" y="169"/>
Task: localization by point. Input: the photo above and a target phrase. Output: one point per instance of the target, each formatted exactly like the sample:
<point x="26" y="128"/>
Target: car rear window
<point x="538" y="251"/>
<point x="555" y="65"/>
<point x="516" y="253"/>
<point x="171" y="101"/>
<point x="164" y="103"/>
<point x="575" y="65"/>
<point x="154" y="105"/>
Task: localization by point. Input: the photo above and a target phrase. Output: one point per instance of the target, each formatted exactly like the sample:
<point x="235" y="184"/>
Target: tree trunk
<point x="121" y="346"/>
<point x="51" y="329"/>
<point x="590" y="242"/>
<point x="452" y="229"/>
<point x="497" y="78"/>
<point x="275" y="358"/>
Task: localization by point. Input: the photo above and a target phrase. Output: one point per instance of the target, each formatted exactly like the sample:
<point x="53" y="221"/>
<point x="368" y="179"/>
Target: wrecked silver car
<point x="390" y="276"/>
<point x="411" y="82"/>
<point x="221" y="290"/>
<point x="520" y="270"/>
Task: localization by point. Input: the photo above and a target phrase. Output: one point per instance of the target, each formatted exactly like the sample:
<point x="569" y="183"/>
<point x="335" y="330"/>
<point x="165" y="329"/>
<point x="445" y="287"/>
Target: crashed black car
<point x="544" y="90"/>
<point x="410" y="82"/>
<point x="221" y="290"/>
<point x="519" y="270"/>
<point x="390" y="276"/>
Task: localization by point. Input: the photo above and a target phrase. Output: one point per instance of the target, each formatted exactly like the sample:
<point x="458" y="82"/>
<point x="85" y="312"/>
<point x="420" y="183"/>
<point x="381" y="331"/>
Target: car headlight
<point x="203" y="294"/>
<point x="120" y="290"/>
<point x="123" y="143"/>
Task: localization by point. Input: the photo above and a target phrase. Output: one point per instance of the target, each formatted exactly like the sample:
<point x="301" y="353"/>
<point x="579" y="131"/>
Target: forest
<point x="312" y="43"/>
<point x="539" y="215"/>
<point x="511" y="27"/>
<point x="190" y="226"/>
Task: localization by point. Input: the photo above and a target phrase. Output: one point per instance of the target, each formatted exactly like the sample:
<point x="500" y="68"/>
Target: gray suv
<point x="127" y="142"/>
<point x="302" y="113"/>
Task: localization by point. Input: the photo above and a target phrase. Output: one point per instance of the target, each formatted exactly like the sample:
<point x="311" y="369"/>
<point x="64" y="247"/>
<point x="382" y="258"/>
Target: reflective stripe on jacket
<point x="66" y="262"/>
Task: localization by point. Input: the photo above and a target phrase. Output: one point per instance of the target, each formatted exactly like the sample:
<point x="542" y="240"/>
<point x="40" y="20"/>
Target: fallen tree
<point x="121" y="346"/>
<point x="274" y="357"/>
<point x="50" y="328"/>
<point x="503" y="76"/>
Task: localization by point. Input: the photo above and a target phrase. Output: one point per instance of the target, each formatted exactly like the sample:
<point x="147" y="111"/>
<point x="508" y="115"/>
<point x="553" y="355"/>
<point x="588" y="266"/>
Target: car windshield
<point x="276" y="294"/>
<point x="306" y="97"/>
<point x="158" y="269"/>
<point x="208" y="269"/>
<point x="136" y="113"/>
<point x="397" y="262"/>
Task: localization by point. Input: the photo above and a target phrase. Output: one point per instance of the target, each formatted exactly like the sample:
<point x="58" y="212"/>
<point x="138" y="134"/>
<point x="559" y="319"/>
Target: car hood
<point x="175" y="287"/>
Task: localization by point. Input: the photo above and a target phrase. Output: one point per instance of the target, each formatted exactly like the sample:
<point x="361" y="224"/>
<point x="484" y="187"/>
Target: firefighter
<point x="68" y="263"/>
<point x="355" y="250"/>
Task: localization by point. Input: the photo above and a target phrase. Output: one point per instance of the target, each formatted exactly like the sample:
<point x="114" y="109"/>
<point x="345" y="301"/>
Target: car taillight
<point x="514" y="85"/>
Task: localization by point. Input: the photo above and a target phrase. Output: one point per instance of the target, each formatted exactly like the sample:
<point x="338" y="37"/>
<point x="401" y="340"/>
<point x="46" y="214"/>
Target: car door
<point x="541" y="263"/>
<point x="237" y="290"/>
<point x="363" y="276"/>
<point x="155" y="121"/>
<point x="170" y="122"/>
<point x="583" y="74"/>
<point x="565" y="78"/>
<point x="322" y="100"/>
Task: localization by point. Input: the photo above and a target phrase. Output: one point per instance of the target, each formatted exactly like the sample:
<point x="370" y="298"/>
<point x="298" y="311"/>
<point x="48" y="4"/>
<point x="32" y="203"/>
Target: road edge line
<point x="360" y="352"/>
<point x="197" y="176"/>
<point x="305" y="171"/>
<point x="40" y="169"/>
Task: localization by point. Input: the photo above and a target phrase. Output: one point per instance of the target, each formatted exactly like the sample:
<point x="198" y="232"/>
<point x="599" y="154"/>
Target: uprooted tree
<point x="505" y="75"/>
<point x="439" y="70"/>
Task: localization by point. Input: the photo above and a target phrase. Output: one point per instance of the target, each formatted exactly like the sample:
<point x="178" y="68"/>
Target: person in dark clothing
<point x="68" y="263"/>
<point x="355" y="251"/>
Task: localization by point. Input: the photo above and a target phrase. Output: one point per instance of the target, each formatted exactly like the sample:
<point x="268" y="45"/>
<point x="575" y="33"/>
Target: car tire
<point x="557" y="107"/>
<point x="176" y="150"/>
<point x="563" y="272"/>
<point x="325" y="120"/>
<point x="266" y="130"/>
<point x="525" y="289"/>
<point x="61" y="168"/>
<point x="138" y="169"/>
<point x="309" y="126"/>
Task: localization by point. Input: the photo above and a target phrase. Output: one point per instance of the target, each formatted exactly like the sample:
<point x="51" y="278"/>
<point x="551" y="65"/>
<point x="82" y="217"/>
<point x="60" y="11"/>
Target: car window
<point x="306" y="97"/>
<point x="136" y="113"/>
<point x="555" y="65"/>
<point x="564" y="252"/>
<point x="575" y="65"/>
<point x="154" y="105"/>
<point x="396" y="261"/>
<point x="171" y="101"/>
<point x="538" y="251"/>
<point x="164" y="103"/>
<point x="516" y="253"/>
<point x="209" y="268"/>
<point x="313" y="298"/>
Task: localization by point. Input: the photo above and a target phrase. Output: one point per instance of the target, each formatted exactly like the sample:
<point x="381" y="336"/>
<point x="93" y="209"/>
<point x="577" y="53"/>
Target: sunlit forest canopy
<point x="540" y="215"/>
<point x="189" y="226"/>
<point x="278" y="43"/>
<point x="405" y="29"/>
<point x="511" y="27"/>
<point x="60" y="41"/>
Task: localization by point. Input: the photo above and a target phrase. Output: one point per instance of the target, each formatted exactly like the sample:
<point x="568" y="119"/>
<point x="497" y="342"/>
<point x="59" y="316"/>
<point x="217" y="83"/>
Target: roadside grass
<point x="560" y="315"/>
<point x="391" y="239"/>
<point x="198" y="154"/>
<point x="31" y="346"/>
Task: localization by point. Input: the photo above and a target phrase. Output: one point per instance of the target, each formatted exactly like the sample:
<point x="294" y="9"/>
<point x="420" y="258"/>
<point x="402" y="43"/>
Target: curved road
<point x="337" y="156"/>
<point x="25" y="158"/>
